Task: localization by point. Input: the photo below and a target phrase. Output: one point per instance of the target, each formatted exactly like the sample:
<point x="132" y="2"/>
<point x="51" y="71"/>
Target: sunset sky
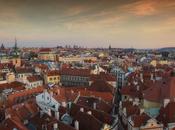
<point x="89" y="23"/>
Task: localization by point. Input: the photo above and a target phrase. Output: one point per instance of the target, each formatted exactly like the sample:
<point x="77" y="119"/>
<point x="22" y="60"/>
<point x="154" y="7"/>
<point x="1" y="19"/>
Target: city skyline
<point x="92" y="23"/>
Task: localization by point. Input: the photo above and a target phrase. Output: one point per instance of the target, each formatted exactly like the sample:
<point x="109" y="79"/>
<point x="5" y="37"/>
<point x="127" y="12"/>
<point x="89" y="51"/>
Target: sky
<point x="88" y="23"/>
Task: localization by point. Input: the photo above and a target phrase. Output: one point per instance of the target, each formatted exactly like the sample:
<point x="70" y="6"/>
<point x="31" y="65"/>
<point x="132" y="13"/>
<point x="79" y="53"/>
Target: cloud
<point x="149" y="7"/>
<point x="145" y="9"/>
<point x="117" y="21"/>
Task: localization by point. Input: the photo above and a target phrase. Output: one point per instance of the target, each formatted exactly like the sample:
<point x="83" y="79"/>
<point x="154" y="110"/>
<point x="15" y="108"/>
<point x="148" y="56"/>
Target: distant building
<point x="23" y="73"/>
<point x="47" y="54"/>
<point x="34" y="81"/>
<point x="75" y="77"/>
<point x="15" y="55"/>
<point x="52" y="77"/>
<point x="77" y="59"/>
<point x="3" y="55"/>
<point x="120" y="75"/>
<point x="47" y="103"/>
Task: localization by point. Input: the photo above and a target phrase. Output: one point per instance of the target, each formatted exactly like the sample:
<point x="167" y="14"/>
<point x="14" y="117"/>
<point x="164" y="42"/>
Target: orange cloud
<point x="148" y="7"/>
<point x="76" y="10"/>
<point x="145" y="9"/>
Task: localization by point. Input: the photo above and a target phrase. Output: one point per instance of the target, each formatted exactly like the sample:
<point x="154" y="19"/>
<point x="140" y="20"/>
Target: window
<point x="53" y="106"/>
<point x="50" y="78"/>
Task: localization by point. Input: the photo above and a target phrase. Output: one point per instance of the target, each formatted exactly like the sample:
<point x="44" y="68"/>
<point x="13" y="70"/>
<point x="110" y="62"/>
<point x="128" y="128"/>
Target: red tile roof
<point x="161" y="90"/>
<point x="6" y="65"/>
<point x="24" y="70"/>
<point x="45" y="50"/>
<point x="131" y="91"/>
<point x="139" y="120"/>
<point x="101" y="86"/>
<point x="103" y="76"/>
<point x="48" y="121"/>
<point x="131" y="110"/>
<point x="34" y="78"/>
<point x="167" y="114"/>
<point x="126" y="104"/>
<point x="15" y="85"/>
<point x="87" y="122"/>
<point x="11" y="123"/>
<point x="53" y="73"/>
<point x="97" y="113"/>
<point x="100" y="104"/>
<point x="12" y="98"/>
<point x="42" y="66"/>
<point x="70" y="94"/>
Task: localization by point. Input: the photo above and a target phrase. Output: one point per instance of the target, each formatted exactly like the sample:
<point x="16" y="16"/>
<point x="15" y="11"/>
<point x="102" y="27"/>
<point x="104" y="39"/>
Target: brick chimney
<point x="76" y="123"/>
<point x="57" y="115"/>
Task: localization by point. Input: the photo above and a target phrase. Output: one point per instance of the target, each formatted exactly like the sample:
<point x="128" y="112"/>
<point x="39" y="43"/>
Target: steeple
<point x="15" y="47"/>
<point x="109" y="47"/>
<point x="15" y="51"/>
<point x="2" y="46"/>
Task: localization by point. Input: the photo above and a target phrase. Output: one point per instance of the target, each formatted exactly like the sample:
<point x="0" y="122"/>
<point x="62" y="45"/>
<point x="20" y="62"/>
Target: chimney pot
<point x="82" y="109"/>
<point x="55" y="126"/>
<point x="57" y="115"/>
<point x="89" y="112"/>
<point x="76" y="123"/>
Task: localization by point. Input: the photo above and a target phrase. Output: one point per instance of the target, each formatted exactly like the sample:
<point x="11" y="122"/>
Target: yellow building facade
<point x="52" y="77"/>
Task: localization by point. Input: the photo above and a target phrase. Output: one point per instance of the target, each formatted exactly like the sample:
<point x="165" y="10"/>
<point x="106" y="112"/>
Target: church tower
<point x="16" y="59"/>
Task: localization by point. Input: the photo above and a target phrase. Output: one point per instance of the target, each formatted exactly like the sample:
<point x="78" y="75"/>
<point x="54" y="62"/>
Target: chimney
<point x="64" y="104"/>
<point x="76" y="123"/>
<point x="7" y="116"/>
<point x="55" y="126"/>
<point x="57" y="115"/>
<point x="89" y="112"/>
<point x="165" y="102"/>
<point x="141" y="76"/>
<point x="82" y="109"/>
<point x="130" y="99"/>
<point x="94" y="105"/>
<point x="72" y="91"/>
<point x="49" y="112"/>
<point x="79" y="93"/>
<point x="152" y="77"/>
<point x="124" y="110"/>
<point x="58" y="91"/>
<point x="141" y="111"/>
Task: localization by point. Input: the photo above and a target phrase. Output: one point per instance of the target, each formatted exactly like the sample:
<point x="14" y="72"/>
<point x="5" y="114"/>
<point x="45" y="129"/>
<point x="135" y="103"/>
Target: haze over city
<point x="88" y="23"/>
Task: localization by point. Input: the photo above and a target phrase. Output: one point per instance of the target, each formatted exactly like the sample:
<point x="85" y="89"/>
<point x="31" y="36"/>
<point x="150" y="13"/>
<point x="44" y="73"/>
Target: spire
<point x="15" y="47"/>
<point x="109" y="47"/>
<point x="15" y="51"/>
<point x="2" y="46"/>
